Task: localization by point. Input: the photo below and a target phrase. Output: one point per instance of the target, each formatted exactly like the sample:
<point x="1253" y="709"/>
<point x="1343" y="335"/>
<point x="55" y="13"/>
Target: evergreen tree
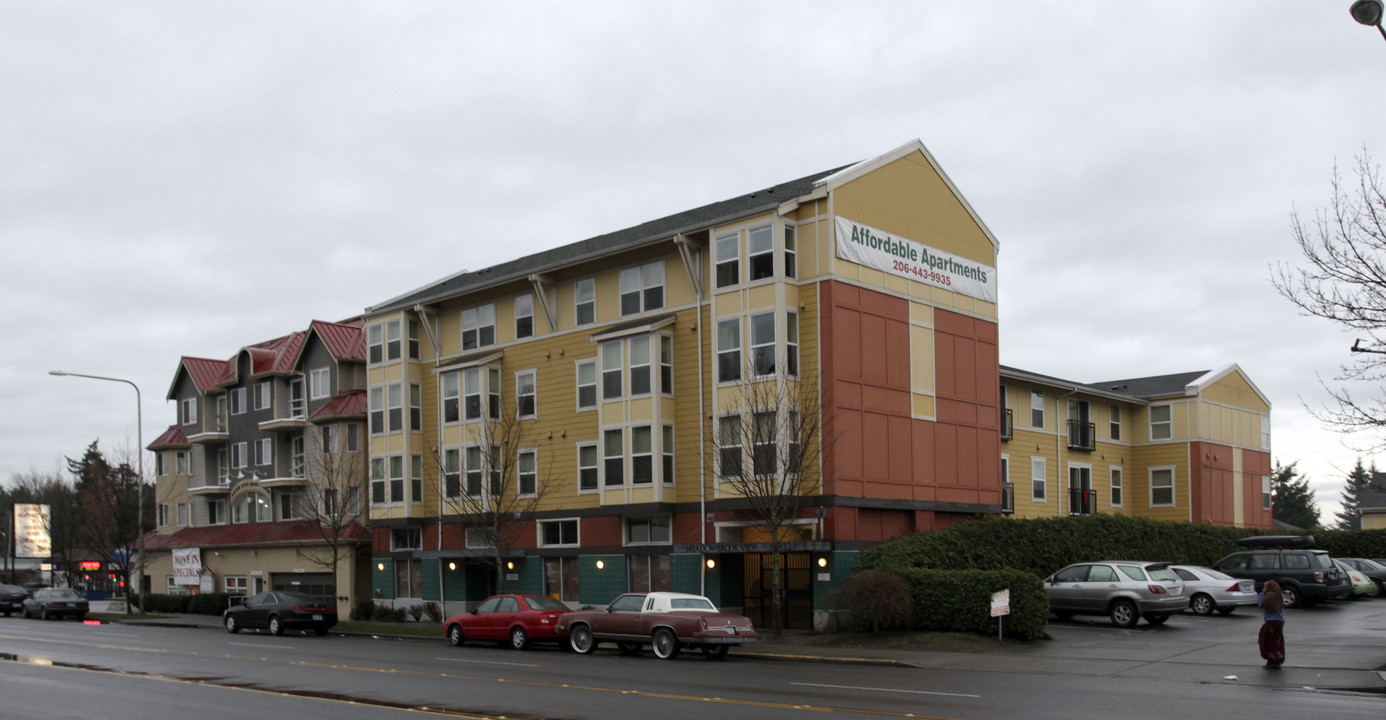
<point x="1291" y="499"/>
<point x="1350" y="517"/>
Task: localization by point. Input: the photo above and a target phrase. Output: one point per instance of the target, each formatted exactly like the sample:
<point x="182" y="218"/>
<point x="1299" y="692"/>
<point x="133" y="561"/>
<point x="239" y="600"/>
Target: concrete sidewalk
<point x="1350" y="660"/>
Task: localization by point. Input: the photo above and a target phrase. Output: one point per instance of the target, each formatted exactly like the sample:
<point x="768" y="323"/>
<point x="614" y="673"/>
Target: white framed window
<point x="221" y="413"/>
<point x="474" y="468"/>
<point x="396" y="478"/>
<point x="729" y="447"/>
<point x="648" y="530"/>
<point x="216" y="512"/>
<point x="1117" y="487"/>
<point x="406" y="538"/>
<point x="666" y="364"/>
<point x="353" y="434"/>
<point x="182" y="512"/>
<point x="1038" y="480"/>
<point x="791" y="252"/>
<point x="452" y="473"/>
<point x="612" y="380"/>
<point x="235" y="584"/>
<point x="413" y="339"/>
<point x="562" y="533"/>
<point x="264" y="451"/>
<point x="1265" y="492"/>
<point x="328" y="502"/>
<point x="642" y="288"/>
<point x="760" y="253"/>
<point x="524" y="316"/>
<point x="614" y="457"/>
<point x="791" y="346"/>
<point x="527" y="472"/>
<point x="262" y="395"/>
<point x="375" y="339"/>
<point x="478" y="327"/>
<point x="1162" y="486"/>
<point x="451" y="384"/>
<point x="237" y="400"/>
<point x="416" y="474"/>
<point x="762" y="344"/>
<point x="639" y="350"/>
<point x="223" y="469"/>
<point x="729" y="350"/>
<point x="1037" y="408"/>
<point x="378" y="481"/>
<point x="394" y="406"/>
<point x="1115" y="424"/>
<point x="641" y="455"/>
<point x="1265" y="432"/>
<point x="392" y="341"/>
<point x="588" y="471"/>
<point x="180" y="463"/>
<point x="160" y="463"/>
<point x="239" y="452"/>
<point x="377" y="410"/>
<point x="1161" y="422"/>
<point x="586" y="384"/>
<point x="764" y="443"/>
<point x="727" y="256"/>
<point x="296" y="398"/>
<point x="296" y="457"/>
<point x="329" y="438"/>
<point x="667" y="449"/>
<point x="526" y="398"/>
<point x="320" y="383"/>
<point x="494" y="394"/>
<point x="163" y="514"/>
<point x="585" y="302"/>
<point x="471" y="394"/>
<point x="189" y="406"/>
<point x="415" y="407"/>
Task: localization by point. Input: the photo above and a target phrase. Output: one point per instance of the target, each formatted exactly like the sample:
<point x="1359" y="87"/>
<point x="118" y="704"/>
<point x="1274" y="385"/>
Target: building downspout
<point x="423" y="312"/>
<point x="692" y="262"/>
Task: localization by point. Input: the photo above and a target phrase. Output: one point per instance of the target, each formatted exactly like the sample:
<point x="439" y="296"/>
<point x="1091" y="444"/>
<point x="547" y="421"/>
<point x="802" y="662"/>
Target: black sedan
<point x="279" y="611"/>
<point x="55" y="603"/>
<point x="12" y="599"/>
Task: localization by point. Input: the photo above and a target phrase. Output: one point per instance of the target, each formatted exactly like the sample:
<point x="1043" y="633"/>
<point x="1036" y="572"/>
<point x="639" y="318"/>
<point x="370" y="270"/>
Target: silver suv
<point x="1123" y="590"/>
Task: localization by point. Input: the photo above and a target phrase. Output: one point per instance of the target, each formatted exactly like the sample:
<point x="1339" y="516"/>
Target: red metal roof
<point x="345" y="340"/>
<point x="351" y="403"/>
<point x="206" y="373"/>
<point x="265" y="533"/>
<point x="172" y="437"/>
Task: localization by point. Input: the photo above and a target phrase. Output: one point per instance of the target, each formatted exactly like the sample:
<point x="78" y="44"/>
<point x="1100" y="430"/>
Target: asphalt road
<point x="66" y="669"/>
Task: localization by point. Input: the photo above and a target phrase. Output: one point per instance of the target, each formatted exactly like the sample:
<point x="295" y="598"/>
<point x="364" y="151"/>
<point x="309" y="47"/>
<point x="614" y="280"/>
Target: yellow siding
<point x="1233" y="389"/>
<point x="921" y="359"/>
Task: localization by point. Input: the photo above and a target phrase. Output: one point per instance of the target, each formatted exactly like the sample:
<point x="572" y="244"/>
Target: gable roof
<point x="1153" y="386"/>
<point x="205" y="374"/>
<point x="172" y="437"/>
<point x="351" y="403"/>
<point x="345" y="340"/>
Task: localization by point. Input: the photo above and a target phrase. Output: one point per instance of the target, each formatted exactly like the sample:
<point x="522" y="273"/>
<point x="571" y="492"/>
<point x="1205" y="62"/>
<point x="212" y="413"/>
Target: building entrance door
<point x="795" y="582"/>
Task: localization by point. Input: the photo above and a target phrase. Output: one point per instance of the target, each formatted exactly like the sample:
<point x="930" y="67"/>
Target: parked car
<point x="1124" y="591"/>
<point x="519" y="619"/>
<point x="667" y="621"/>
<point x="12" y="599"/>
<point x="1209" y="590"/>
<point x="55" y="602"/>
<point x="1362" y="585"/>
<point x="1306" y="576"/>
<point x="278" y="611"/>
<point x="1372" y="569"/>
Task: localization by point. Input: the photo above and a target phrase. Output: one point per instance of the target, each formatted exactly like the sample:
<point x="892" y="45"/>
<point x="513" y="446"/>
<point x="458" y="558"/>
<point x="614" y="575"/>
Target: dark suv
<point x="1305" y="576"/>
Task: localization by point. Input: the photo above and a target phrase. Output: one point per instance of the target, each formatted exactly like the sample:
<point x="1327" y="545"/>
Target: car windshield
<point x="64" y="594"/>
<point x="1214" y="574"/>
<point x="1370" y="565"/>
<point x="694" y="603"/>
<point x="544" y="602"/>
<point x="1162" y="574"/>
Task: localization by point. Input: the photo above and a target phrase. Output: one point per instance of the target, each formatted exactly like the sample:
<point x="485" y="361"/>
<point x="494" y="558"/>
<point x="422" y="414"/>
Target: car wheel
<point x="665" y="644"/>
<point x="1376" y="590"/>
<point x="629" y="648"/>
<point x="580" y="639"/>
<point x="1290" y="594"/>
<point x="230" y="622"/>
<point x="519" y="639"/>
<point x="320" y="631"/>
<point x="7" y="613"/>
<point x="1202" y="604"/>
<point x="43" y="613"/>
<point x="275" y="627"/>
<point x="1124" y="614"/>
<point x="1226" y="610"/>
<point x="455" y="636"/>
<point x="1156" y="619"/>
<point x="716" y="652"/>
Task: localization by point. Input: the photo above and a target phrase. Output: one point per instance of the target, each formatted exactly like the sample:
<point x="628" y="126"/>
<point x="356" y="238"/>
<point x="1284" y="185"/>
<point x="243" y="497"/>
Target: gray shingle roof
<point x="1154" y="386"/>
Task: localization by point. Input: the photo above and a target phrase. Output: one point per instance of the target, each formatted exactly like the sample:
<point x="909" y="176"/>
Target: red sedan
<point x="518" y="619"/>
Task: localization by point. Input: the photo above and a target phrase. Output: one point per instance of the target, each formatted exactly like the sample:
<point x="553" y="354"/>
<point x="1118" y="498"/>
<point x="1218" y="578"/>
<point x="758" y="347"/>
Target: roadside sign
<point x="1001" y="603"/>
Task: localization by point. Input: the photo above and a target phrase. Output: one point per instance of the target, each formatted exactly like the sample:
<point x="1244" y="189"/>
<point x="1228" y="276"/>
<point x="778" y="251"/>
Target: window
<point x="729" y="350"/>
<point x="377" y="410"/>
<point x="238" y="455"/>
<point x="180" y="465"/>
<point x="160" y="463"/>
<point x="406" y="538"/>
<point x="493" y="376"/>
<point x="1116" y="422"/>
<point x="216" y="512"/>
<point x="527" y="470"/>
<point x="641" y="455"/>
<point x="763" y="344"/>
<point x="587" y="467"/>
<point x="353" y="437"/>
<point x="394" y="395"/>
<point x="1265" y="432"/>
<point x="288" y="505"/>
<point x="614" y="453"/>
<point x="561" y="577"/>
<point x="763" y="442"/>
<point x="524" y="394"/>
<point x="640" y="531"/>
<point x="639" y="349"/>
<point x="794" y="456"/>
<point x="392" y="340"/>
<point x="376" y="340"/>
<point x="471" y="393"/>
<point x="611" y="369"/>
<point x="642" y="288"/>
<point x="221" y="413"/>
<point x="182" y="511"/>
<point x="478" y="327"/>
<point x="1162" y="487"/>
<point x="262" y="395"/>
<point x="1036" y="409"/>
<point x="585" y="302"/>
<point x="264" y="451"/>
<point x="416" y="478"/>
<point x="791" y="253"/>
<point x="329" y="438"/>
<point x="296" y="398"/>
<point x="452" y="479"/>
<point x="163" y="514"/>
<point x="668" y="450"/>
<point x="1037" y="479"/>
<point x="1161" y="422"/>
<point x="296" y="456"/>
<point x="587" y="384"/>
<point x="791" y="338"/>
<point x="666" y="364"/>
<point x="729" y="446"/>
<point x="760" y="252"/>
<point x="254" y="506"/>
<point x="223" y="471"/>
<point x="474" y="469"/>
<point x="649" y="573"/>
<point x="378" y="481"/>
<point x="1116" y="487"/>
<point x="451" y="398"/>
<point x="524" y="316"/>
<point x="235" y="585"/>
<point x="558" y="532"/>
<point x="415" y="407"/>
<point x="319" y="383"/>
<point x="396" y="478"/>
<point x="413" y="339"/>
<point x="237" y="400"/>
<point x="329" y="504"/>
<point x="728" y="259"/>
<point x="1265" y="492"/>
<point x="189" y="410"/>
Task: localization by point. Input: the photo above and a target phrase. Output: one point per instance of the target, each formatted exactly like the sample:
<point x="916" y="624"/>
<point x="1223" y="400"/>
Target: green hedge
<point x="1043" y="545"/>
<point x="199" y="604"/>
<point x="960" y="601"/>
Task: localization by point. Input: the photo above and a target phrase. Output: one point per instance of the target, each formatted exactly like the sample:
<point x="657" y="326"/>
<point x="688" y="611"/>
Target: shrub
<point x="364" y="610"/>
<point x="385" y="613"/>
<point x="433" y="612"/>
<point x="960" y="600"/>
<point x="877" y="600"/>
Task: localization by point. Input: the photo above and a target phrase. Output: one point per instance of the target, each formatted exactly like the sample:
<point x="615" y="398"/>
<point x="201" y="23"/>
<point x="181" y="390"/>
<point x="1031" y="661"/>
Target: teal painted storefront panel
<point x="429" y="577"/>
<point x="454" y="580"/>
<point x="383" y="580"/>
<point x="839" y="568"/>
<point x="601" y="586"/>
<point x="527" y="577"/>
<point x="686" y="573"/>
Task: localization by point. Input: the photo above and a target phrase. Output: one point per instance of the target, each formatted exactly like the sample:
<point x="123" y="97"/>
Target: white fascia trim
<point x="1213" y="376"/>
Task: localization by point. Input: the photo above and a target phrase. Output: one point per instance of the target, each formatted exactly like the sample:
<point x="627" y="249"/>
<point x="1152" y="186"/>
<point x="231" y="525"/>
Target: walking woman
<point x="1272" y="637"/>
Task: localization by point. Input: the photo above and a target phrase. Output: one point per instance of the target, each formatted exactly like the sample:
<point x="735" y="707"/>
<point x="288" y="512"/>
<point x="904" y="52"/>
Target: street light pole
<point x="139" y="488"/>
<point x="1369" y="12"/>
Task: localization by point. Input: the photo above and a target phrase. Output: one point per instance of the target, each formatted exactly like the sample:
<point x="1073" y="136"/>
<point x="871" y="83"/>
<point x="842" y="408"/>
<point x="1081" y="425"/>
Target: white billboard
<point x="31" y="538"/>
<point x="187" y="566"/>
<point x="865" y="245"/>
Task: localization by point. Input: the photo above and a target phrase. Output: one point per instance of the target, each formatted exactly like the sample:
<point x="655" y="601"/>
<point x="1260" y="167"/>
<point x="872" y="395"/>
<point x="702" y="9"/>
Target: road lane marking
<point x="894" y="690"/>
<point x="487" y="662"/>
<point x="258" y="645"/>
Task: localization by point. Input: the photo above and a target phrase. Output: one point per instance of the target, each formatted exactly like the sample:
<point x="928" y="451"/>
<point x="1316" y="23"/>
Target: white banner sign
<point x="882" y="251"/>
<point x="187" y="566"/>
<point x="31" y="537"/>
<point x="1001" y="603"/>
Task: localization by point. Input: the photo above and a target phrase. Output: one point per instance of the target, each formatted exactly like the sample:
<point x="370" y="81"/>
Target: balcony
<point x="1082" y="501"/>
<point x="1007" y="424"/>
<point x="291" y="423"/>
<point x="1081" y="435"/>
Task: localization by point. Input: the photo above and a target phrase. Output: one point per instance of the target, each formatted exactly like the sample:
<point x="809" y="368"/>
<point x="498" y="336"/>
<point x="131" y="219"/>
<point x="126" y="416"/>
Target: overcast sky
<point x="188" y="178"/>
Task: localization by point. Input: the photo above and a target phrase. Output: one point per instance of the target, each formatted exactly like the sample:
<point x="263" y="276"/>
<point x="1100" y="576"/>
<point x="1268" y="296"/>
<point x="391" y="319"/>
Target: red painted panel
<point x="901" y="450"/>
<point x="875" y="443"/>
<point x="945" y="375"/>
<point x="602" y="530"/>
<point x="872" y="349"/>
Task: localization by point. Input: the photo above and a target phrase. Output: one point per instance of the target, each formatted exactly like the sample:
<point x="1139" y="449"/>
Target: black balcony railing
<point x="1007" y="498"/>
<point x="1081" y="501"/>
<point x="1007" y="424"/>
<point x="1081" y="435"/>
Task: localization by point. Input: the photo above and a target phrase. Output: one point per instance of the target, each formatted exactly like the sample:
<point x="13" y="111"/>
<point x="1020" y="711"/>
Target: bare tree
<point x="53" y="490"/>
<point x="493" y="483"/>
<point x="1343" y="279"/>
<point x="773" y="419"/>
<point x="336" y="484"/>
<point x="109" y="502"/>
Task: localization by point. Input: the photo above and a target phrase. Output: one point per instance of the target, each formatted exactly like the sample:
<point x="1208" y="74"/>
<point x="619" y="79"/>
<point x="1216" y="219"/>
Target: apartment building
<point x="260" y="480"/>
<point x="575" y="415"/>
<point x="1192" y="447"/>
